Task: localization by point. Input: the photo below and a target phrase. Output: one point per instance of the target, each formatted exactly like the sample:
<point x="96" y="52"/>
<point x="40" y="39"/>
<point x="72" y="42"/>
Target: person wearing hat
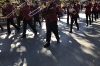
<point x="8" y="9"/>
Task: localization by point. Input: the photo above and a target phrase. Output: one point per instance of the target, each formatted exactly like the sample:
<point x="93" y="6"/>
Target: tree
<point x="2" y="0"/>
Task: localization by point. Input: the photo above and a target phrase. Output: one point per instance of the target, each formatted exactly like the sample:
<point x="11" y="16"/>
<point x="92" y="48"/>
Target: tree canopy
<point x="2" y="0"/>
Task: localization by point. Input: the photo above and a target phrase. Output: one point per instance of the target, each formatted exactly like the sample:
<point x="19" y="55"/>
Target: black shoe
<point x="58" y="41"/>
<point x="67" y="23"/>
<point x="18" y="30"/>
<point x="78" y="29"/>
<point x="35" y="33"/>
<point x="70" y="31"/>
<point x="23" y="37"/>
<point x="9" y="33"/>
<point x="1" y="29"/>
<point x="46" y="45"/>
<point x="86" y="25"/>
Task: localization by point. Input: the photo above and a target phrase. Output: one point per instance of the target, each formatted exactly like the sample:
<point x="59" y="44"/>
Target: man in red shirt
<point x="8" y="9"/>
<point x="51" y="21"/>
<point x="27" y="20"/>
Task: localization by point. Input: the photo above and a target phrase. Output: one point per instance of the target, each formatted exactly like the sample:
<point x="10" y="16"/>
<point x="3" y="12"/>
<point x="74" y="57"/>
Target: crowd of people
<point x="50" y="11"/>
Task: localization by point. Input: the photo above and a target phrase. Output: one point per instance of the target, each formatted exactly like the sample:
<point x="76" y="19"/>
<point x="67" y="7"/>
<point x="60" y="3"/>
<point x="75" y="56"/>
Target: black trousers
<point x="58" y="14"/>
<point x="29" y="22"/>
<point x="51" y="27"/>
<point x="36" y="19"/>
<point x="67" y="18"/>
<point x="19" y="18"/>
<point x="88" y="15"/>
<point x="1" y="27"/>
<point x="72" y="21"/>
<point x="10" y="21"/>
<point x="95" y="13"/>
<point x="98" y="13"/>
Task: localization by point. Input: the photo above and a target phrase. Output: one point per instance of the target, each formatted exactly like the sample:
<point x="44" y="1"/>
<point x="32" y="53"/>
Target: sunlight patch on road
<point x="86" y="46"/>
<point x="3" y="36"/>
<point x="48" y="53"/>
<point x="21" y="49"/>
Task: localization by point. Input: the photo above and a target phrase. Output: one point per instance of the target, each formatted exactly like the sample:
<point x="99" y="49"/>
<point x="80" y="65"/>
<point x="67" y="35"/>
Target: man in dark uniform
<point x="27" y="20"/>
<point x="51" y="21"/>
<point x="9" y="8"/>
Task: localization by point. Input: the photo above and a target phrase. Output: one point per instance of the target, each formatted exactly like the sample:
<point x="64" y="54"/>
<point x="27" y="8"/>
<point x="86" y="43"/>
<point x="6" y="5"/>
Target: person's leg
<point x="92" y="15"/>
<point x="86" y="19"/>
<point x="12" y="22"/>
<point x="89" y="18"/>
<point x="76" y="23"/>
<point x="48" y="34"/>
<point x="18" y="21"/>
<point x="71" y="26"/>
<point x="39" y="22"/>
<point x="32" y="27"/>
<point x="1" y="27"/>
<point x="68" y="18"/>
<point x="24" y="28"/>
<point x="54" y="29"/>
<point x="8" y="26"/>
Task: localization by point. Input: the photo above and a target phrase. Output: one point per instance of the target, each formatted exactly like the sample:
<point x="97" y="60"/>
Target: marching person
<point x="8" y="9"/>
<point x="27" y="20"/>
<point x="95" y="11"/>
<point x="88" y="11"/>
<point x="98" y="9"/>
<point x="19" y="14"/>
<point x="58" y="10"/>
<point x="51" y="21"/>
<point x="77" y="6"/>
<point x="1" y="15"/>
<point x="74" y="15"/>
<point x="36" y="16"/>
<point x="68" y="5"/>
